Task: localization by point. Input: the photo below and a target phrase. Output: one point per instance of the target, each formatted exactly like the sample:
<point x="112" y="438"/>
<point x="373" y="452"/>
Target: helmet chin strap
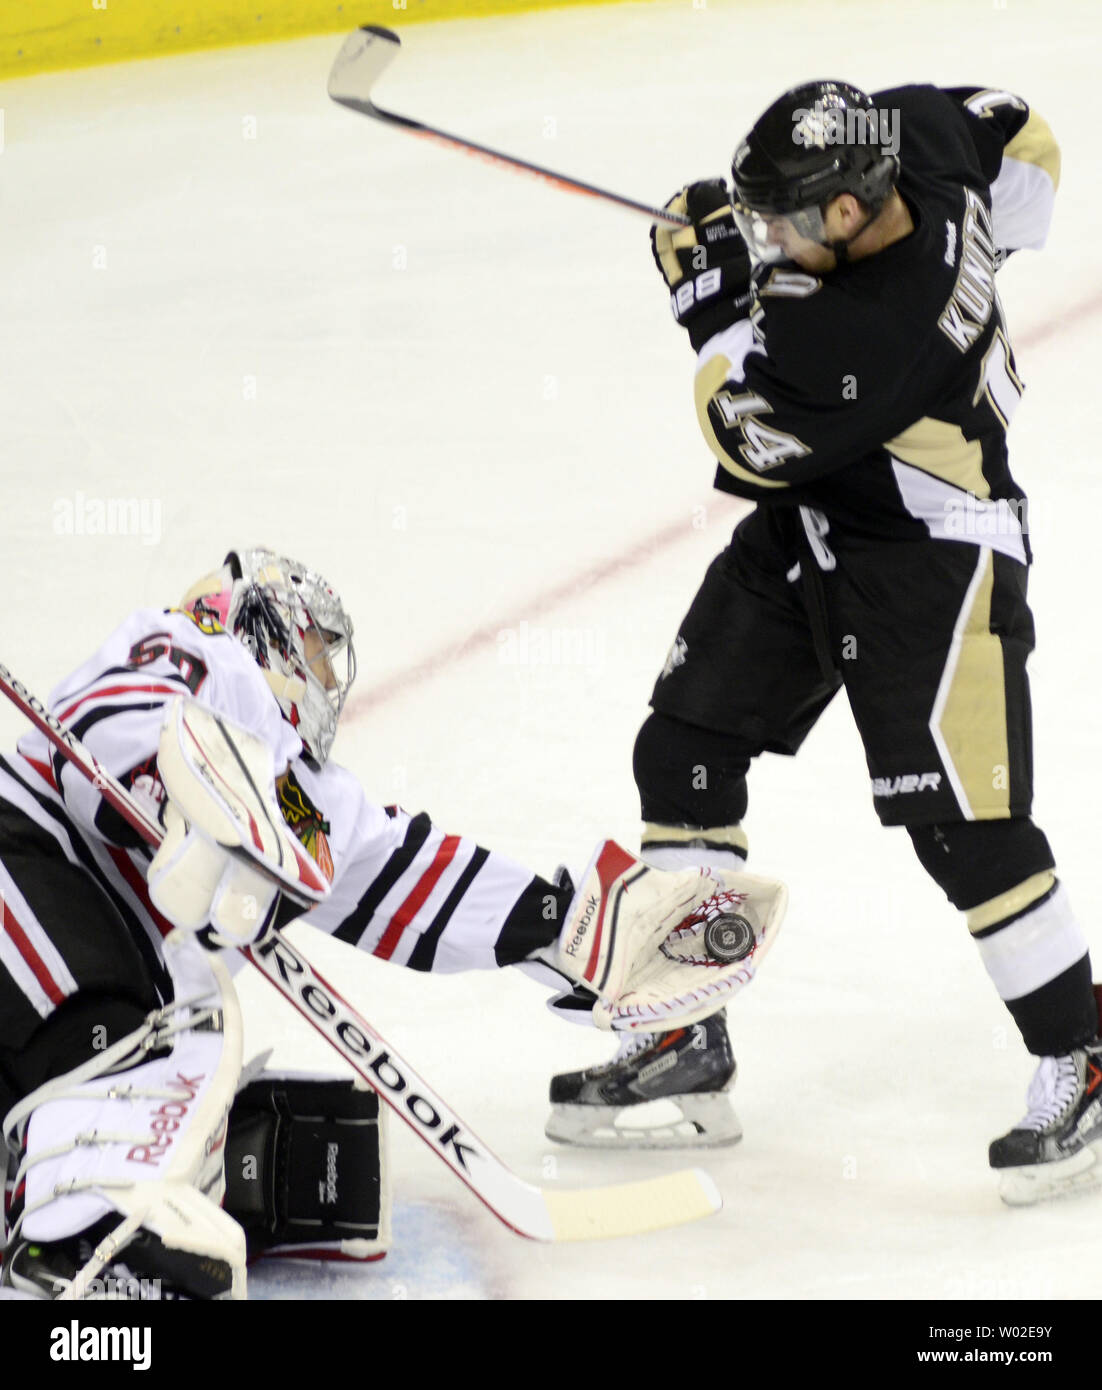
<point x="842" y="245"/>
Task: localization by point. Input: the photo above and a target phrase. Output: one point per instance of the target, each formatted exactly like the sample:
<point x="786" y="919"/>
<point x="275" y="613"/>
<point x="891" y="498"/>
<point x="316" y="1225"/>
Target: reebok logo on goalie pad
<point x="165" y="1121"/>
<point x="327" y="1190"/>
<point x="430" y="1116"/>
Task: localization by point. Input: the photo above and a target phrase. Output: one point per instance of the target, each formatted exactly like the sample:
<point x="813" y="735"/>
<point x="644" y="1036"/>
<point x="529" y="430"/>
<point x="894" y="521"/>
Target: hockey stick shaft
<point x="367" y="52"/>
<point x="530" y="1211"/>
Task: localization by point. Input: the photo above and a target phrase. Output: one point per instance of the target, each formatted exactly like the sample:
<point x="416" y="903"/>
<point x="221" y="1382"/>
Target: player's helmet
<point x="816" y="141"/>
<point x="293" y="623"/>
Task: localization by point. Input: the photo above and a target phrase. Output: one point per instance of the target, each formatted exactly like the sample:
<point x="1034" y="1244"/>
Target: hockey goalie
<point x="143" y="1149"/>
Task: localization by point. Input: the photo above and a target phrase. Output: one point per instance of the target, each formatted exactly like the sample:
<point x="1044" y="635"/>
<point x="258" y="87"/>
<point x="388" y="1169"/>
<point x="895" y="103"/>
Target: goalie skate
<point x="608" y="1106"/>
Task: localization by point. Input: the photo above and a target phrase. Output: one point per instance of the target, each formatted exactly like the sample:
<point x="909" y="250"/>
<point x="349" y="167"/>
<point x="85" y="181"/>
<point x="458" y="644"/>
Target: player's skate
<point x="1056" y="1150"/>
<point x="52" y="1271"/>
<point x="691" y="1068"/>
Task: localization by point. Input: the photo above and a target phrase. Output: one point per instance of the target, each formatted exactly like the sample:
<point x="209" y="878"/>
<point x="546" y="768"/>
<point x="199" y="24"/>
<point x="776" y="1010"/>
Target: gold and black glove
<point x="705" y="264"/>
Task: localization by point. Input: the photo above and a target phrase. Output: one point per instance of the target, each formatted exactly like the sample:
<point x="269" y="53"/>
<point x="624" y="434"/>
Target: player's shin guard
<point x="676" y="847"/>
<point x="1000" y="873"/>
<point x="120" y="1160"/>
<point x="692" y="792"/>
<point x="306" y="1169"/>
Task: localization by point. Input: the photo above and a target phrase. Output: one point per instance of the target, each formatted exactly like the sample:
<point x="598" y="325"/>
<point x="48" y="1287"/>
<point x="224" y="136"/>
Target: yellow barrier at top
<point x="38" y="35"/>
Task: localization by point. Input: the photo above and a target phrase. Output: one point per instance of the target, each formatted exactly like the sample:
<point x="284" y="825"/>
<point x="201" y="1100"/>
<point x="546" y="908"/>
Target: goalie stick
<point x="367" y="52"/>
<point x="538" y="1213"/>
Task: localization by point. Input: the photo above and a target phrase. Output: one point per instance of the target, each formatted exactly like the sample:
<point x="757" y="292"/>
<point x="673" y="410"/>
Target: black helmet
<point x="816" y="141"/>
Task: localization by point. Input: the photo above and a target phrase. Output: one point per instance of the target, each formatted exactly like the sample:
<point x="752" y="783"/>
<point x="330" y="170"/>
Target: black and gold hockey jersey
<point x="879" y="394"/>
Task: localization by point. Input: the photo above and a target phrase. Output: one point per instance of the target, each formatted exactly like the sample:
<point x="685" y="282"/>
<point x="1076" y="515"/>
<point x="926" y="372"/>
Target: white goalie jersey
<point x="401" y="888"/>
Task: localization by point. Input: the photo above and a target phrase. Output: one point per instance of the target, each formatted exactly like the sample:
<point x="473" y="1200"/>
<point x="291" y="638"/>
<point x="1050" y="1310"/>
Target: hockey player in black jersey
<point x="856" y="381"/>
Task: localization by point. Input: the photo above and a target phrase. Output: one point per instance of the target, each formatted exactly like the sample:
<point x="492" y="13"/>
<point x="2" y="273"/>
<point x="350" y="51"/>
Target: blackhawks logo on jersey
<point x="205" y="618"/>
<point x="307" y="822"/>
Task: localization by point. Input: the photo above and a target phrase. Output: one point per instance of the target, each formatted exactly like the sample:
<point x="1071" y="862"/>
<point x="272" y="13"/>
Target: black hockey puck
<point x="728" y="938"/>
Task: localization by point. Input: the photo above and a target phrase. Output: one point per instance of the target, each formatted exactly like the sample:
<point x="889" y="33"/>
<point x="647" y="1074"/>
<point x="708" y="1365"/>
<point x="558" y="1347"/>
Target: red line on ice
<point x="593" y="576"/>
<point x="481" y="638"/>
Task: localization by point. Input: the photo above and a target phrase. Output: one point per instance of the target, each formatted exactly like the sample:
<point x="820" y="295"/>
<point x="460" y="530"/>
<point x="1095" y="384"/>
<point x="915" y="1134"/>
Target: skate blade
<point x="1044" y="1182"/>
<point x="707" y="1122"/>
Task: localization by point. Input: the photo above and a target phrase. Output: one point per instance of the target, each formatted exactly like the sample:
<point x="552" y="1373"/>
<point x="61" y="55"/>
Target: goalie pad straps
<point x="306" y="1172"/>
<point x="130" y="1142"/>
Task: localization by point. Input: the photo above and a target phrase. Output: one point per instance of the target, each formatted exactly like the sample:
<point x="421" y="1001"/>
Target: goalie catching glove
<point x="644" y="940"/>
<point x="227" y="852"/>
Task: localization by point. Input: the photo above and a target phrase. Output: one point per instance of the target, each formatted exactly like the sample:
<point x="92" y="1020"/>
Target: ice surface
<point x="461" y="393"/>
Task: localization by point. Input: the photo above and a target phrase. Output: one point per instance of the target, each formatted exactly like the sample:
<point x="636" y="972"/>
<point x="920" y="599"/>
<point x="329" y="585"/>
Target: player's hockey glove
<point x="706" y="265"/>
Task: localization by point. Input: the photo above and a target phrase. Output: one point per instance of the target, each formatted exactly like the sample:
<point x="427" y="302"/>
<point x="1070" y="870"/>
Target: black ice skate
<point x="692" y="1067"/>
<point x="47" y="1271"/>
<point x="1056" y="1150"/>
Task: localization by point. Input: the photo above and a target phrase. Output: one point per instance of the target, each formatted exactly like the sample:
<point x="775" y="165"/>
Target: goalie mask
<point x="294" y="625"/>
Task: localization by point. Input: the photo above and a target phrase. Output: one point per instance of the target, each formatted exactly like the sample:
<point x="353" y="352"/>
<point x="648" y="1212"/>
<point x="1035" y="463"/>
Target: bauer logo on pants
<point x="903" y="786"/>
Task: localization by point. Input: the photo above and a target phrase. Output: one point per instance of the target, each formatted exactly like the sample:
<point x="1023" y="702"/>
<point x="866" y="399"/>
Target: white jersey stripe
<point x="952" y="514"/>
<point x="13" y="962"/>
<point x="401" y="890"/>
<point x="434" y="902"/>
<point x="14" y="791"/>
<point x="15" y="904"/>
<point x="470" y="937"/>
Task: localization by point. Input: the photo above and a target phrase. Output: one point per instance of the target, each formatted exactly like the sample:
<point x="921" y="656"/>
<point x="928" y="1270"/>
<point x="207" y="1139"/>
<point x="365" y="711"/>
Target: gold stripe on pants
<point x="968" y="723"/>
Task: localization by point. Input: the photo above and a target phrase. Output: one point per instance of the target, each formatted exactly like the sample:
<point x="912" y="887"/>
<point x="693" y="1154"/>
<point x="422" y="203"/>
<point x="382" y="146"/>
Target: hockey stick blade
<point x="538" y="1213"/>
<point x="365" y="54"/>
<point x="363" y="57"/>
<point x="546" y="1214"/>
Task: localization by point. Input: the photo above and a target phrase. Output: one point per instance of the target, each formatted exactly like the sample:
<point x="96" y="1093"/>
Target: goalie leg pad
<point x="306" y="1170"/>
<point x="121" y="1158"/>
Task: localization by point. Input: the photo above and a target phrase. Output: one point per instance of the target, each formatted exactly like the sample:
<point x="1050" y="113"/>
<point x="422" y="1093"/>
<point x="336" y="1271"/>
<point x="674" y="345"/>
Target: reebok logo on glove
<point x="582" y="929"/>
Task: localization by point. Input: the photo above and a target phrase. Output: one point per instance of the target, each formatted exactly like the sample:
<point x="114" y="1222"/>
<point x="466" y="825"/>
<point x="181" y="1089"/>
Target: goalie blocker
<point x="306" y="1168"/>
